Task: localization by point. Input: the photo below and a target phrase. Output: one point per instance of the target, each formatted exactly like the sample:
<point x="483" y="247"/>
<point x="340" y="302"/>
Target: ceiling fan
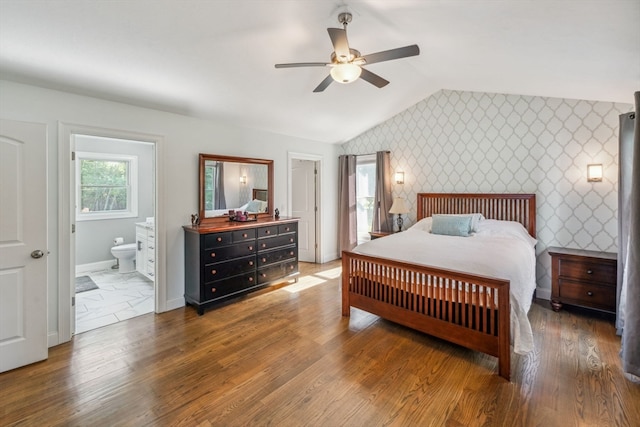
<point x="347" y="64"/>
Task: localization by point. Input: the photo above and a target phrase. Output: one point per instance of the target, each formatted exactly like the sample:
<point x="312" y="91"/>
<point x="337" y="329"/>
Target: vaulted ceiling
<point x="215" y="59"/>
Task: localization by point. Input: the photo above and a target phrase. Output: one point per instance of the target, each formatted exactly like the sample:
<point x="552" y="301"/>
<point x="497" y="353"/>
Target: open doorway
<point x="304" y="203"/>
<point x="70" y="205"/>
<point x="115" y="230"/>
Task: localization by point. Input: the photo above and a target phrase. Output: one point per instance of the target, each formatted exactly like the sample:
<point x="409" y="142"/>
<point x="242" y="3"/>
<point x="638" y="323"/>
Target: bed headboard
<point x="506" y="207"/>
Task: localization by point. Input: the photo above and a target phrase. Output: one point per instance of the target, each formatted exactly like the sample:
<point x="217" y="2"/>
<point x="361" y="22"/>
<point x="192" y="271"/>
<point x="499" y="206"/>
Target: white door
<point x="303" y="206"/>
<point x="23" y="243"/>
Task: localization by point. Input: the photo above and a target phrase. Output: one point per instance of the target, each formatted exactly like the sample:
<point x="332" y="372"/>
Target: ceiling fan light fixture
<point x="345" y="73"/>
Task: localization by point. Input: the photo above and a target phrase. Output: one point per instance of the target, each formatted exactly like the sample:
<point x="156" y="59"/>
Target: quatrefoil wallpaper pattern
<point x="458" y="141"/>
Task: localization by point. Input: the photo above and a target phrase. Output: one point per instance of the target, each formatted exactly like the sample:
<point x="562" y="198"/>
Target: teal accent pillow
<point x="451" y="225"/>
<point x="254" y="206"/>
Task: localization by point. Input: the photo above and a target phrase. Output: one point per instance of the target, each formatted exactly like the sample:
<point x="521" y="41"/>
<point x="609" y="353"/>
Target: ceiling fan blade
<point x="302" y="64"/>
<point x="340" y="44"/>
<point x="387" y="55"/>
<point x="323" y="85"/>
<point x="373" y="78"/>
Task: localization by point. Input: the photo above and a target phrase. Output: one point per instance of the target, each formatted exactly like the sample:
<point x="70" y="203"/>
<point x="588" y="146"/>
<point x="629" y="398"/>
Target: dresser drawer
<point x="267" y="231"/>
<point x="228" y="252"/>
<point x="588" y="294"/>
<point x="270" y="257"/>
<point x="223" y="270"/>
<point x="242" y="235"/>
<point x="277" y="271"/>
<point x="588" y="270"/>
<point x="276" y="242"/>
<point x="217" y="239"/>
<point x="288" y="228"/>
<point x="229" y="286"/>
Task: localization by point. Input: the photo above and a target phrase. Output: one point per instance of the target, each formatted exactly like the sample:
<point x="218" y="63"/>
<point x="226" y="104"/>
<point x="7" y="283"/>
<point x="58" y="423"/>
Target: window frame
<point x="132" y="187"/>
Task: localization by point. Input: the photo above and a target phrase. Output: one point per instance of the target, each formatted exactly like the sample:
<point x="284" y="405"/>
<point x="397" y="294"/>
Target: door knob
<point x="37" y="254"/>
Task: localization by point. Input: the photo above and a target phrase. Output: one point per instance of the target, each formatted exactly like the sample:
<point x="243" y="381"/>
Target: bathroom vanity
<point x="145" y="249"/>
<point x="226" y="259"/>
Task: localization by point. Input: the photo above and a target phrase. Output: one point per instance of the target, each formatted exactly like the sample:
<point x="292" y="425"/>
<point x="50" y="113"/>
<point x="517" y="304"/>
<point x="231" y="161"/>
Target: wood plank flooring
<point x="286" y="357"/>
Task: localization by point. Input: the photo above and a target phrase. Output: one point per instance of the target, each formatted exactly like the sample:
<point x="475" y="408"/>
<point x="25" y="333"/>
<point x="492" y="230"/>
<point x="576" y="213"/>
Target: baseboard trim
<point x="175" y="303"/>
<point x="52" y="339"/>
<point x="543" y="293"/>
<point x="95" y="266"/>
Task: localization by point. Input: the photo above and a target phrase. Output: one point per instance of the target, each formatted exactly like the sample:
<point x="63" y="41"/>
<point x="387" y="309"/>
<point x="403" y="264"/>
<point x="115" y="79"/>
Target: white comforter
<point x="501" y="249"/>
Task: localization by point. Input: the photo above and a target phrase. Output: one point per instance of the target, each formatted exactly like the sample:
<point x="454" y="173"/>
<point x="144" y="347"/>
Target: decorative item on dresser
<point x="229" y="259"/>
<point x="583" y="278"/>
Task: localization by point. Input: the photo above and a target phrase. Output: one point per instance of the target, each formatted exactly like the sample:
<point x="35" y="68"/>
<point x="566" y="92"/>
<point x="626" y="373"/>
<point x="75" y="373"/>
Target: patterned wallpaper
<point x="480" y="142"/>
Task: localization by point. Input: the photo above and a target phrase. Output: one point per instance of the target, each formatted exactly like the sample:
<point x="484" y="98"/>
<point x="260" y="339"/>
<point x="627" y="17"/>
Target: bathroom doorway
<point x="114" y="238"/>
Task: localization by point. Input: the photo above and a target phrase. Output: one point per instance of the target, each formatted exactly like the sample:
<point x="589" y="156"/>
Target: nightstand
<point x="583" y="278"/>
<point x="377" y="234"/>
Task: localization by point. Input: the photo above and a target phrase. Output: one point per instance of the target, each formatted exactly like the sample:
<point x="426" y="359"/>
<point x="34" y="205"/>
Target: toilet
<point x="125" y="254"/>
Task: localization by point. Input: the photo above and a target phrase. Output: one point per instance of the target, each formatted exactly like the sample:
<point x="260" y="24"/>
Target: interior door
<point x="303" y="205"/>
<point x="23" y="243"/>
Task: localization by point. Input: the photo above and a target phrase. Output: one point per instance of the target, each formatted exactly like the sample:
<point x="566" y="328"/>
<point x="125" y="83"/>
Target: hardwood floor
<point x="286" y="357"/>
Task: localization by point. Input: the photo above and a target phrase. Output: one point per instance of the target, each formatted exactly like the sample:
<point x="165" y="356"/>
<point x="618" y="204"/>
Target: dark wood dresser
<point x="229" y="259"/>
<point x="583" y="278"/>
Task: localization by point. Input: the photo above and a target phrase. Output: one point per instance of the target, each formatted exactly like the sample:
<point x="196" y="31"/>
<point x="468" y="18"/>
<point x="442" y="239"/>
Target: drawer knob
<point x="213" y="289"/>
<point x="219" y="239"/>
<point x="264" y="245"/>
<point x="214" y="272"/>
<point x="251" y="279"/>
<point x="264" y="260"/>
<point x="244" y="235"/>
<point x="291" y="253"/>
<point x="268" y="231"/>
<point x="250" y="262"/>
<point x="589" y="271"/>
<point x="250" y="248"/>
<point x="213" y="254"/>
<point x="263" y="275"/>
<point x="590" y="293"/>
<point x="291" y="240"/>
<point x="291" y="267"/>
<point x="287" y="229"/>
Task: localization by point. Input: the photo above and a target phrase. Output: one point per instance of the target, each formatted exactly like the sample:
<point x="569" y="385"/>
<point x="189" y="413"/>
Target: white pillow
<point x="494" y="227"/>
<point x="423" y="225"/>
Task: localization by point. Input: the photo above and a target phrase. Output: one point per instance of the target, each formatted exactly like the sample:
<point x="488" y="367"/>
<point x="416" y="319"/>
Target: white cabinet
<point x="145" y="251"/>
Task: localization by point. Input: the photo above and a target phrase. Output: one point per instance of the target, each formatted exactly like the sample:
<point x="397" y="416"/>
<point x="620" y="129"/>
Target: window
<point x="365" y="194"/>
<point x="107" y="186"/>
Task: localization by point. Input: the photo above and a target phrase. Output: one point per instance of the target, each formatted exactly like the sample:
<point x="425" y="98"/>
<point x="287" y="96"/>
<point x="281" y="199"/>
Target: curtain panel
<point x="347" y="227"/>
<point x="382" y="219"/>
<point x="630" y="293"/>
<point x="219" y="201"/>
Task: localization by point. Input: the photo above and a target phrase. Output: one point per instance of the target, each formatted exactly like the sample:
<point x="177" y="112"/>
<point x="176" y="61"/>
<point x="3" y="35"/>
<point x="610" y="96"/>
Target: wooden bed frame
<point x="463" y="308"/>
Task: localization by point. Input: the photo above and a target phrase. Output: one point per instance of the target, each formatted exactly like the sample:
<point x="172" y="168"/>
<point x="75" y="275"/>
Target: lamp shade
<point x="345" y="73"/>
<point x="398" y="206"/>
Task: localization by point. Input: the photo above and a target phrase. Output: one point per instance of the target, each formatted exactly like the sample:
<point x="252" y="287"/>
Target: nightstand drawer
<point x="590" y="271"/>
<point x="588" y="294"/>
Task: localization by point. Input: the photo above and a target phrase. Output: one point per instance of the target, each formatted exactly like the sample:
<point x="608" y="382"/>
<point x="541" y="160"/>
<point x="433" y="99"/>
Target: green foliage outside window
<point x="103" y="185"/>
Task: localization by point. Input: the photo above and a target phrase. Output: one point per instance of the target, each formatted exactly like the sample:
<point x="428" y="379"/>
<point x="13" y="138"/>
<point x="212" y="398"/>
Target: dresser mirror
<point x="234" y="184"/>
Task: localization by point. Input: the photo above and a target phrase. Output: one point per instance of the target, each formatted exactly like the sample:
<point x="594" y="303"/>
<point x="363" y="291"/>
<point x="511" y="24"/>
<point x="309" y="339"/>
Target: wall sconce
<point x="594" y="172"/>
<point x="243" y="179"/>
<point x="399" y="177"/>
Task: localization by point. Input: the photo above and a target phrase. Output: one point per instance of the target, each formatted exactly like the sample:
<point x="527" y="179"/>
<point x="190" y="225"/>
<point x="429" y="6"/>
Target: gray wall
<point x="482" y="142"/>
<point x="94" y="239"/>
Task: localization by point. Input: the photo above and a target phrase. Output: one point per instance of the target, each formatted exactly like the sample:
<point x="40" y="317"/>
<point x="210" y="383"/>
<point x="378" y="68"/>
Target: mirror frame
<point x="203" y="158"/>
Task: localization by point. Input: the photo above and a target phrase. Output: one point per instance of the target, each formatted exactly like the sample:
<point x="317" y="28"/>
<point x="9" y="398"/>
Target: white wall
<point x="184" y="138"/>
<point x="458" y="141"/>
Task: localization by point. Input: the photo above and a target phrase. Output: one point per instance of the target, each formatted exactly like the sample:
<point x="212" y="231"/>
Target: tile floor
<point x="119" y="297"/>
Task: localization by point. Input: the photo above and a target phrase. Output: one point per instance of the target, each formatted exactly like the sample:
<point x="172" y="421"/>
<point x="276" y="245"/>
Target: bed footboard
<point x="465" y="309"/>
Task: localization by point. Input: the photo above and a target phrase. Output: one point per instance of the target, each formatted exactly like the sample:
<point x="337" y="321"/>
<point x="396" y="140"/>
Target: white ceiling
<point x="215" y="59"/>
